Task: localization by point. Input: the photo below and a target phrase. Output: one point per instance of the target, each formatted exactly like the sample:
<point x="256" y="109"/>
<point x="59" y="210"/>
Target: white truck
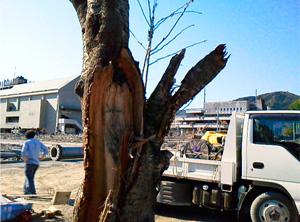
<point x="258" y="174"/>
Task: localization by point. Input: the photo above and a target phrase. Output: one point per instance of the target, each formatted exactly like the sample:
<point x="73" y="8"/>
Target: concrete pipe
<point x="8" y="154"/>
<point x="58" y="152"/>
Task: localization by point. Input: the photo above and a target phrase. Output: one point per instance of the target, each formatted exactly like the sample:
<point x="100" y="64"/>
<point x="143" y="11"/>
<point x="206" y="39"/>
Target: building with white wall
<point x="51" y="105"/>
<point x="215" y="116"/>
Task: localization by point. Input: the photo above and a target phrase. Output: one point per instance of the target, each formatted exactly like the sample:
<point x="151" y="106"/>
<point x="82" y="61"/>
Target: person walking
<point x="31" y="155"/>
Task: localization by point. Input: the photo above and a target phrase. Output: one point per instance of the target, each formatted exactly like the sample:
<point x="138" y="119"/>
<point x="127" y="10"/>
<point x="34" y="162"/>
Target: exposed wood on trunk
<point x="138" y="200"/>
<point x="113" y="118"/>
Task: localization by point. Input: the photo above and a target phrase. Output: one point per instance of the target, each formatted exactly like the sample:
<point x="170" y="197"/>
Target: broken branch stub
<point x="200" y="75"/>
<point x="194" y="81"/>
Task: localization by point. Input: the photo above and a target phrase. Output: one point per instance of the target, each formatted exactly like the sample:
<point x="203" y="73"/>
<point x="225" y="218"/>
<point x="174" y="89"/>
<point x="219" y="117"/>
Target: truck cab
<point x="270" y="161"/>
<point x="258" y="173"/>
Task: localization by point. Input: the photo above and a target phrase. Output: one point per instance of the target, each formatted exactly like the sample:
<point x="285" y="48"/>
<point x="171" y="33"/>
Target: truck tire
<point x="272" y="206"/>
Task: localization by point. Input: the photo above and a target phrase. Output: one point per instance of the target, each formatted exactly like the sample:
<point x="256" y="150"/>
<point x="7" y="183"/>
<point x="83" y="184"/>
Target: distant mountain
<point x="274" y="100"/>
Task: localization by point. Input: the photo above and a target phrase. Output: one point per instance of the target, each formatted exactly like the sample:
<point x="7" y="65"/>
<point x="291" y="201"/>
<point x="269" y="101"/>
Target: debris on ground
<point x="15" y="209"/>
<point x="55" y="138"/>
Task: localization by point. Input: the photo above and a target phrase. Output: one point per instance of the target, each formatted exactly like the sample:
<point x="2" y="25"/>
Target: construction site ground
<point x="67" y="175"/>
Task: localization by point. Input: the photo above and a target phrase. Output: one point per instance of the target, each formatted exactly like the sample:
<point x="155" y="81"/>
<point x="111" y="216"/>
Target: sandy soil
<point x="67" y="176"/>
<point x="57" y="177"/>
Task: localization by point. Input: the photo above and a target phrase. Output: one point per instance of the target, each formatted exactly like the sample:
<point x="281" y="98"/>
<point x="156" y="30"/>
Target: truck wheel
<point x="272" y="206"/>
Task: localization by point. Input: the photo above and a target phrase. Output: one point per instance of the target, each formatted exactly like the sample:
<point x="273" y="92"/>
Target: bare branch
<point x="150" y="37"/>
<point x="164" y="57"/>
<point x="157" y="50"/>
<point x="161" y="58"/>
<point x="149" y="8"/>
<point x="171" y="30"/>
<point x="161" y="21"/>
<point x="143" y="12"/>
<point x="188" y="103"/>
<point x="169" y="16"/>
<point x="137" y="39"/>
<point x="192" y="11"/>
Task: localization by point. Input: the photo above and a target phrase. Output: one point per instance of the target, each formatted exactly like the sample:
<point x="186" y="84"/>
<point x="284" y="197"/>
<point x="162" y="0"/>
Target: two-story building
<point x="51" y="105"/>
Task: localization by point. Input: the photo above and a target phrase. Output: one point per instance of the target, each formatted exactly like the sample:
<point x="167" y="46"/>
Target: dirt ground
<point x="67" y="176"/>
<point x="58" y="177"/>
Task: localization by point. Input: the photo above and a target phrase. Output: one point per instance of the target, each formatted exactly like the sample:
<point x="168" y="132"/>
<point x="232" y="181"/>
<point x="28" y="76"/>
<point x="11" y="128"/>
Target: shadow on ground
<point x="194" y="214"/>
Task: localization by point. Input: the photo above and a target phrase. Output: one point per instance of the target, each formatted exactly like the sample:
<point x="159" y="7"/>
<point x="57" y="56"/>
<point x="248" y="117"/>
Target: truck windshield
<point x="279" y="129"/>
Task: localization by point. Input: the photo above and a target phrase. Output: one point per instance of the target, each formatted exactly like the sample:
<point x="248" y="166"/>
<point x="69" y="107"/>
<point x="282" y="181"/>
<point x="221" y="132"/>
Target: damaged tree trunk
<point x="122" y="132"/>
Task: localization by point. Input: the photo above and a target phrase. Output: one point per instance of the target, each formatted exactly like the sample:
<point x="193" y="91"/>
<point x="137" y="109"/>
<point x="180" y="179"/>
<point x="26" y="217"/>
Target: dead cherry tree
<point x="122" y="131"/>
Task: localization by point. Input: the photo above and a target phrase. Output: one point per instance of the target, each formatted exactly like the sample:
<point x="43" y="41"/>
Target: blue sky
<point x="42" y="39"/>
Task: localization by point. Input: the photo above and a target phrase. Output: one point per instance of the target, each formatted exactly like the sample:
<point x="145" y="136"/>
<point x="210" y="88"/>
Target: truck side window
<point x="278" y="129"/>
<point x="262" y="132"/>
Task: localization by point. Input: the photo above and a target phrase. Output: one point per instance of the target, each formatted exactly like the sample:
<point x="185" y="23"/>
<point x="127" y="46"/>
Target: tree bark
<point x="122" y="132"/>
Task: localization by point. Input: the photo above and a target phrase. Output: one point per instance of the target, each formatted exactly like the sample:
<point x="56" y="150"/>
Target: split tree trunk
<point x="122" y="132"/>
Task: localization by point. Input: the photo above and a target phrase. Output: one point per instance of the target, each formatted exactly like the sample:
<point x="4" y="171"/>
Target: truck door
<point x="273" y="147"/>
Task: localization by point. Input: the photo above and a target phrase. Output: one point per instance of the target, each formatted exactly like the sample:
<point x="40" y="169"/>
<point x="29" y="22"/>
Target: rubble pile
<point x="16" y="140"/>
<point x="66" y="138"/>
<point x="8" y="147"/>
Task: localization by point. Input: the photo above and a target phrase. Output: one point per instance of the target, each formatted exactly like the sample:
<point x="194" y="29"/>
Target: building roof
<point x="43" y="86"/>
